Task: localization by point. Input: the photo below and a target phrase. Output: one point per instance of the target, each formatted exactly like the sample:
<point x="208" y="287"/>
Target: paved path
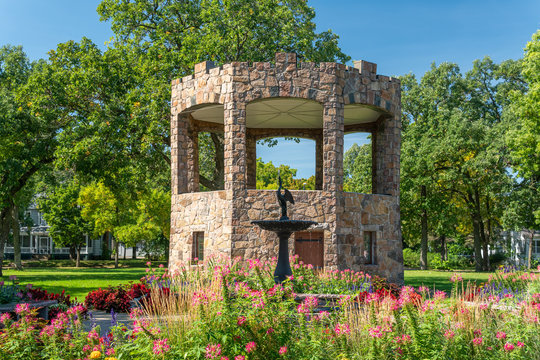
<point x="104" y="320"/>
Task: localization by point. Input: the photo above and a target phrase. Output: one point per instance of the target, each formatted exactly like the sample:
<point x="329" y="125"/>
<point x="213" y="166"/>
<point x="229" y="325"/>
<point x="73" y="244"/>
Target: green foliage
<point x="62" y="213"/>
<point x="267" y="175"/>
<point x="131" y="220"/>
<point x="454" y="159"/>
<point x="357" y="169"/>
<point x="523" y="139"/>
<point x="99" y="207"/>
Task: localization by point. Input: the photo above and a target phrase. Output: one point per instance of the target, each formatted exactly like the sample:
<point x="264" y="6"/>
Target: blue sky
<point x="400" y="36"/>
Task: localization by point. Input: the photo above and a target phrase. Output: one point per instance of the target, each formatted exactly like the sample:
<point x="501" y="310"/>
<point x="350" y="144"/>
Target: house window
<point x="369" y="247"/>
<point x="536" y="246"/>
<point x="197" y="249"/>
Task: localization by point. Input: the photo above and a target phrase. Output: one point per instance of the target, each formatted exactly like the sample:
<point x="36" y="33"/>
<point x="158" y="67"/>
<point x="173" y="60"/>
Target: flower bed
<point x="232" y="310"/>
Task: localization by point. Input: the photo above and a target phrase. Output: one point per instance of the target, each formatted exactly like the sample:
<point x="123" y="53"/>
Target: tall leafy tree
<point x="166" y="38"/>
<point x="26" y="139"/>
<point x="523" y="140"/>
<point x="60" y="210"/>
<point x="453" y="159"/>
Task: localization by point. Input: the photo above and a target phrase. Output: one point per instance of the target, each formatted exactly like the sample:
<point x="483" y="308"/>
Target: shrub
<point x="115" y="298"/>
<point x="112" y="298"/>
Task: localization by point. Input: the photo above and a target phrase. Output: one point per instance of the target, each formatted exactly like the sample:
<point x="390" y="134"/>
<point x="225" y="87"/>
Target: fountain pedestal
<point x="283" y="228"/>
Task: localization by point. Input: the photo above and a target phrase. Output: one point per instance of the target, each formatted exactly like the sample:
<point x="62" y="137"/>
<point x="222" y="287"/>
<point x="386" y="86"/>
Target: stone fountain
<point x="283" y="227"/>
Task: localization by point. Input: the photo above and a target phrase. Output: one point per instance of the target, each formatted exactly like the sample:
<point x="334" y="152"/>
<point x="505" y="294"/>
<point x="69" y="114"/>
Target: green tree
<point x="267" y="174"/>
<point x="453" y="159"/>
<point x="25" y="140"/>
<point x="167" y="38"/>
<point x="63" y="215"/>
<point x="357" y="169"/>
<point x="523" y="140"/>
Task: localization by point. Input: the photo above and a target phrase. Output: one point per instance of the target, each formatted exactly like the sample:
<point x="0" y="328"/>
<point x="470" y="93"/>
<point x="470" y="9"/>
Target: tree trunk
<point x="134" y="254"/>
<point x="115" y="247"/>
<point x="477" y="244"/>
<point x="530" y="252"/>
<point x="78" y="260"/>
<point x="443" y="247"/>
<point x="485" y="253"/>
<point x="125" y="251"/>
<point x="424" y="221"/>
<point x="15" y="227"/>
<point x="4" y="234"/>
<point x="72" y="253"/>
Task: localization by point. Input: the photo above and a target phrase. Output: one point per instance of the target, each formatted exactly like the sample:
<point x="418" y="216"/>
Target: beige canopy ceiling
<point x="288" y="113"/>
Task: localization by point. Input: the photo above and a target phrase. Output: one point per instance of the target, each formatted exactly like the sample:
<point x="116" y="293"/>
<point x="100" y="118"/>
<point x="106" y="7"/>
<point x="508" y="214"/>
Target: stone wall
<point x="203" y="211"/>
<point x="379" y="214"/>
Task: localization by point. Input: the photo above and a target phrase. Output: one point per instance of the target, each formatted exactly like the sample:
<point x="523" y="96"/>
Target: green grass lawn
<point x="77" y="282"/>
<point x="56" y="276"/>
<point x="440" y="280"/>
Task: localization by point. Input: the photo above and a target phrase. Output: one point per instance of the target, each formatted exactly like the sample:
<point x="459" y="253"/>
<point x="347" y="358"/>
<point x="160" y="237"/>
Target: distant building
<point x="515" y="246"/>
<point x="36" y="242"/>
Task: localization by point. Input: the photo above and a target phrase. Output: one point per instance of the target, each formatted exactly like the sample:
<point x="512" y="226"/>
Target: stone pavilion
<point x="319" y="101"/>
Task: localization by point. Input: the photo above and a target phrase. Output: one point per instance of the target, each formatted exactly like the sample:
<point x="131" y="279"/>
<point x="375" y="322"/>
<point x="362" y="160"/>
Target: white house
<point x="36" y="242"/>
<point x="515" y="245"/>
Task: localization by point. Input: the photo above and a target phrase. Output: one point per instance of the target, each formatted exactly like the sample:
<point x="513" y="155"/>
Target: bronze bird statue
<point x="283" y="198"/>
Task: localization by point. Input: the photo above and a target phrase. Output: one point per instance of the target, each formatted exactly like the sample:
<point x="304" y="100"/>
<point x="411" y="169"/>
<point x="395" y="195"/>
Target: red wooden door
<point x="309" y="246"/>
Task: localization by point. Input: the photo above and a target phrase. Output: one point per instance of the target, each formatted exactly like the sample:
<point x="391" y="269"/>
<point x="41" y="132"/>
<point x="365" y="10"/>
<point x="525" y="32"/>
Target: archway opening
<point x="294" y="158"/>
<point x="358" y="163"/>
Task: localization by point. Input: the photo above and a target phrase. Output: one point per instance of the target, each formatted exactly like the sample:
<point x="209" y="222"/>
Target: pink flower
<point x="240" y="357"/>
<point x="241" y="320"/>
<point x="160" y="347"/>
<point x="22" y="308"/>
<point x="520" y="344"/>
<point x="311" y="302"/>
<point x="161" y="266"/>
<point x="5" y="317"/>
<point x="270" y="330"/>
<point x="282" y="350"/>
<point x="342" y="329"/>
<point x="92" y="335"/>
<point x="375" y="332"/>
<point x="439" y="295"/>
<point x="500" y="335"/>
<point x="213" y="351"/>
<point x="477" y="341"/>
<point x="405" y="338"/>
<point x="477" y="332"/>
<point x="449" y="334"/>
<point x="456" y="278"/>
<point x="508" y="347"/>
<point x="251" y="346"/>
<point x="148" y="263"/>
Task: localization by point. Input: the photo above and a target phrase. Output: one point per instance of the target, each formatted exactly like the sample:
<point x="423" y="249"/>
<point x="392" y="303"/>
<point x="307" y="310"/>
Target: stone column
<point x="386" y="150"/>
<point x="318" y="162"/>
<point x="251" y="159"/>
<point x="333" y="133"/>
<point x="193" y="160"/>
<point x="235" y="146"/>
<point x="179" y="154"/>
